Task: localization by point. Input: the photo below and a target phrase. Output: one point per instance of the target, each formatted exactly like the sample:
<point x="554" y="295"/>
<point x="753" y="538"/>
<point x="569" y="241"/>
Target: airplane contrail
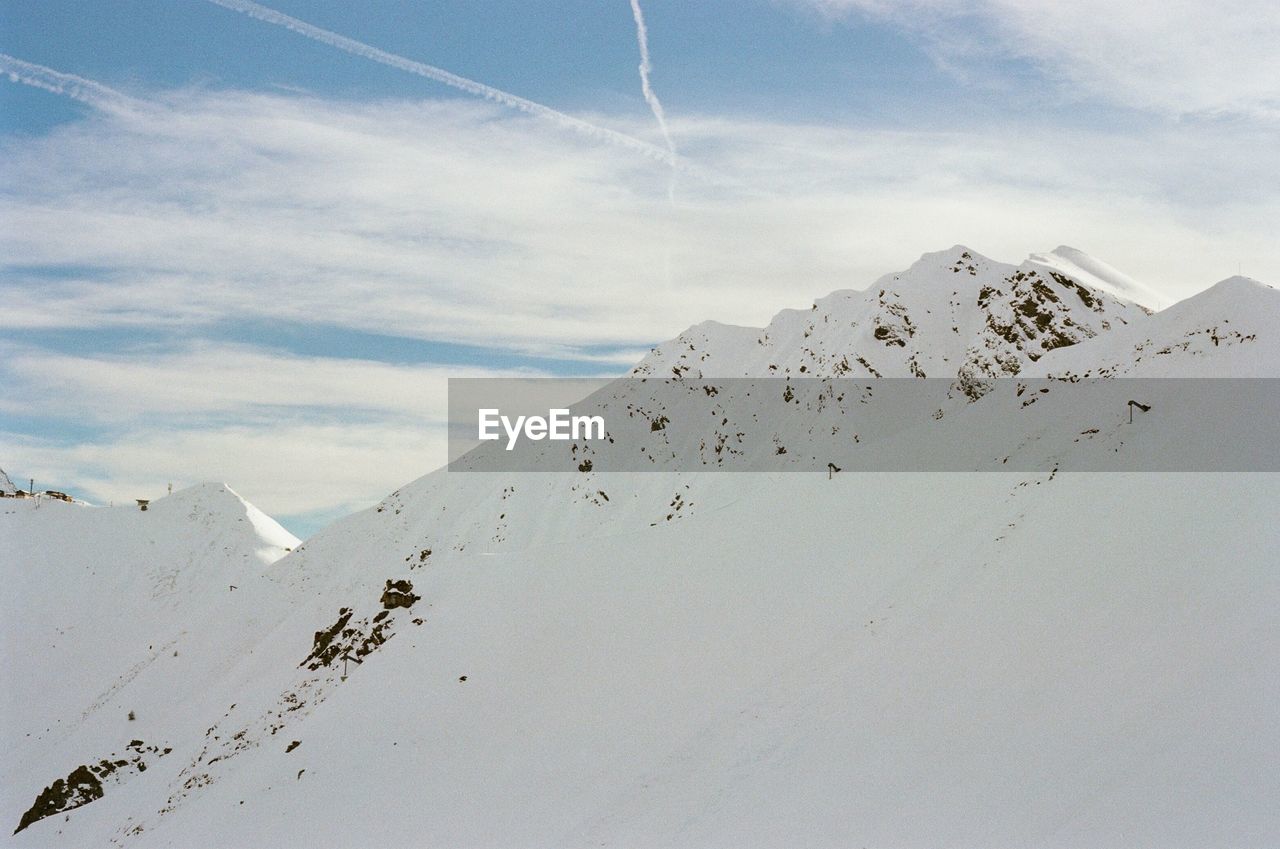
<point x="78" y="88"/>
<point x="642" y="39"/>
<point x="642" y="36"/>
<point x="359" y="48"/>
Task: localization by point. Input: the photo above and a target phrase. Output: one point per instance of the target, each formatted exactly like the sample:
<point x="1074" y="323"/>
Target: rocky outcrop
<point x="85" y="783"/>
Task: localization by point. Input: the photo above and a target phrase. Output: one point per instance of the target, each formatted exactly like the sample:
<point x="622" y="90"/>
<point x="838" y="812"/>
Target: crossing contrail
<point x="359" y="48"/>
<point x="78" y="88"/>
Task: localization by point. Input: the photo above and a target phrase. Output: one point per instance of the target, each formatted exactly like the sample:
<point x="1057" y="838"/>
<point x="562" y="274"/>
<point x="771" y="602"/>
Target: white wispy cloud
<point x="458" y="222"/>
<point x="1175" y="57"/>
<point x="204" y="379"/>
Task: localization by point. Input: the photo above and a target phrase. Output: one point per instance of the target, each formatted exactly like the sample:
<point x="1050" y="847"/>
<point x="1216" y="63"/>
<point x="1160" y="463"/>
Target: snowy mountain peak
<point x="217" y="502"/>
<point x="953" y="313"/>
<point x="116" y="619"/>
<point x="1241" y="286"/>
<point x="956" y="259"/>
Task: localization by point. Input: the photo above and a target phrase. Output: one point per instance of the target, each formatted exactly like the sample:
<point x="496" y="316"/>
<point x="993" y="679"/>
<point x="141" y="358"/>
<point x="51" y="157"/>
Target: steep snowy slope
<point x="115" y="620"/>
<point x="962" y="660"/>
<point x="664" y="659"/>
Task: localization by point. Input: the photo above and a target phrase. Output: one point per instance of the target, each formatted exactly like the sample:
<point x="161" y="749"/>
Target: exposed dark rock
<point x="349" y="640"/>
<point x="324" y="650"/>
<point x="398" y="594"/>
<point x="84" y="783"/>
<point x="1085" y="295"/>
<point x="80" y="787"/>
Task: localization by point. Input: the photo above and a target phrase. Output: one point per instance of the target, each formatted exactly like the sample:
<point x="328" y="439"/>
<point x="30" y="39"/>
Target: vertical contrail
<point x="642" y="38"/>
<point x="646" y="67"/>
<point x="358" y="48"/>
<point x="77" y="88"/>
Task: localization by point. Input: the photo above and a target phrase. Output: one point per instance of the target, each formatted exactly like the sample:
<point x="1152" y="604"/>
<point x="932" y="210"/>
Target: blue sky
<point x="739" y="57"/>
<point x="262" y="262"/>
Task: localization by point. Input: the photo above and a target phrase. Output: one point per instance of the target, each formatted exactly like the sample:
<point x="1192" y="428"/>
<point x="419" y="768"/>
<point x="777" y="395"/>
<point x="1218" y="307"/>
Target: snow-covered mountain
<point x="666" y="659"/>
<point x="115" y="619"/>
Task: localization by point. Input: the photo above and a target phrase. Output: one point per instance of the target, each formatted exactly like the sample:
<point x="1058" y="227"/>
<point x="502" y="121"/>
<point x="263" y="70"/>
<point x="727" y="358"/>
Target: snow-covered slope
<point x="116" y="619"/>
<point x="769" y="660"/>
<point x="964" y="660"/>
<point x="1227" y="330"/>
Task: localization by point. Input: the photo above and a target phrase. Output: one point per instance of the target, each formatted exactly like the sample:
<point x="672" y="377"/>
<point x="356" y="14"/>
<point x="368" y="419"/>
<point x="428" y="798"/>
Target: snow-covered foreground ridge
<point x="113" y="610"/>
<point x="696" y="660"/>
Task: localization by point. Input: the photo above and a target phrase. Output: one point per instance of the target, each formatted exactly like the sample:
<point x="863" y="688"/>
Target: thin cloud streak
<point x="650" y="97"/>
<point x="86" y="91"/>
<point x="206" y="380"/>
